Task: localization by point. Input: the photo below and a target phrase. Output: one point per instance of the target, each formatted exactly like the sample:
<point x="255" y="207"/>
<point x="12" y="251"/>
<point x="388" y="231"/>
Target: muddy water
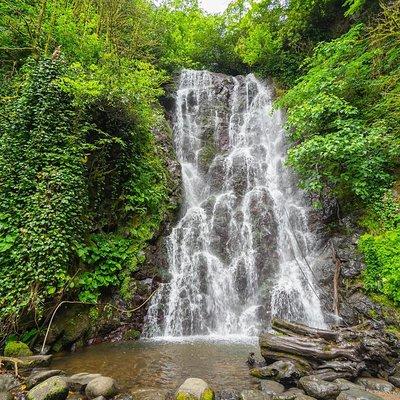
<point x="166" y="364"/>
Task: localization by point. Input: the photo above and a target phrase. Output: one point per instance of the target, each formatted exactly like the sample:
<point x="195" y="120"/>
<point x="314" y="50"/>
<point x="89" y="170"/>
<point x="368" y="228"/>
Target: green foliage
<point x="42" y="191"/>
<point x="344" y="142"/>
<point x="382" y="256"/>
<point x="16" y="349"/>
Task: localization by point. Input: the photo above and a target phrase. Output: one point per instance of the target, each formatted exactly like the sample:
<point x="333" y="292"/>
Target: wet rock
<point x="375" y="384"/>
<point x="271" y="387"/>
<point x="285" y="396"/>
<point x="254" y="395"/>
<point x="357" y="394"/>
<point x="40" y="376"/>
<point x="7" y="382"/>
<point x="54" y="388"/>
<point x="344" y="384"/>
<point x="394" y="380"/>
<point x="319" y="388"/>
<point x="6" y="396"/>
<point x="304" y="397"/>
<point x="227" y="394"/>
<point x="286" y="372"/>
<point x="101" y="386"/>
<point x="194" y="389"/>
<point x="100" y="398"/>
<point x="78" y="382"/>
<point x="28" y="362"/>
<point x="295" y="390"/>
<point x="149" y="394"/>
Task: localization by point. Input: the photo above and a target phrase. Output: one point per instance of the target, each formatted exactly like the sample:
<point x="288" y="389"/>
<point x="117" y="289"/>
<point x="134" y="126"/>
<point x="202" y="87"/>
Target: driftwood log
<point x="330" y="354"/>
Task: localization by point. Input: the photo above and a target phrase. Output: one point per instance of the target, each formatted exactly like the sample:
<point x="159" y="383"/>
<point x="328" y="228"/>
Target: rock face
<point x="101" y="386"/>
<point x="54" y="388"/>
<point x="319" y="388"/>
<point x="194" y="389"/>
<point x="375" y="384"/>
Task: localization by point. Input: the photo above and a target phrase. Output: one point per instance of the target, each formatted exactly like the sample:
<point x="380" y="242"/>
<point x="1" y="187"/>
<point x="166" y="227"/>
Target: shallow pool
<point x="166" y="364"/>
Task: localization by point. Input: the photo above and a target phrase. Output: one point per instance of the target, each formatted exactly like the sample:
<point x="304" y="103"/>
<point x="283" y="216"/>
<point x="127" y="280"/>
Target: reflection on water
<point x="165" y="364"/>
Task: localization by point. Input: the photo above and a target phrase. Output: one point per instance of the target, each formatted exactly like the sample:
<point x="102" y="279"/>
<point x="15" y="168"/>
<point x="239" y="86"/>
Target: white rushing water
<point x="242" y="250"/>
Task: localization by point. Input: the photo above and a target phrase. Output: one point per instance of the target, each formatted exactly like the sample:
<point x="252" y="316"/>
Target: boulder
<point x="149" y="394"/>
<point x="101" y="386"/>
<point x="227" y="394"/>
<point x="17" y="349"/>
<point x="6" y="396"/>
<point x="271" y="387"/>
<point x="54" y="388"/>
<point x="7" y="382"/>
<point x="375" y="384"/>
<point x="100" y="398"/>
<point x="344" y="384"/>
<point x="194" y="389"/>
<point x="78" y="382"/>
<point x="319" y="388"/>
<point x="254" y="395"/>
<point x="285" y="372"/>
<point x="40" y="376"/>
<point x="357" y="394"/>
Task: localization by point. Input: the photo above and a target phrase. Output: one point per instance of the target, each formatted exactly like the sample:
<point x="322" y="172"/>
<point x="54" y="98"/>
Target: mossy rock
<point x="194" y="389"/>
<point x="17" y="349"/>
<point x="54" y="388"/>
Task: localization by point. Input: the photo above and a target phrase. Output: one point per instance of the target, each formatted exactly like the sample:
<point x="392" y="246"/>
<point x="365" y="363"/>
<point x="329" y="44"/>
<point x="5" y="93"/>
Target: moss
<point x="132" y="334"/>
<point x="184" y="396"/>
<point x="17" y="349"/>
<point x="208" y="394"/>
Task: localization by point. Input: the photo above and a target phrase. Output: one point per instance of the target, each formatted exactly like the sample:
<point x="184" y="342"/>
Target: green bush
<point x="16" y="349"/>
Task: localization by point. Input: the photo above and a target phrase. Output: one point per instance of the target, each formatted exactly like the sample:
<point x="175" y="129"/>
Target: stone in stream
<point x="376" y="384"/>
<point x="78" y="382"/>
<point x="194" y="389"/>
<point x="254" y="395"/>
<point x="295" y="390"/>
<point x="357" y="394"/>
<point x="271" y="387"/>
<point x="54" y="388"/>
<point x="40" y="376"/>
<point x="101" y="386"/>
<point x="319" y="388"/>
<point x="149" y="394"/>
<point x="344" y="384"/>
<point x="286" y="372"/>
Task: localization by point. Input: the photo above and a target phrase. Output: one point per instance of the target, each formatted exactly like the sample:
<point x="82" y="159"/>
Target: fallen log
<point x="330" y="354"/>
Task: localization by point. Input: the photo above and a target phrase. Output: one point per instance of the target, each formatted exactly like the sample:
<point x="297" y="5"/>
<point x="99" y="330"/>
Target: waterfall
<point x="242" y="249"/>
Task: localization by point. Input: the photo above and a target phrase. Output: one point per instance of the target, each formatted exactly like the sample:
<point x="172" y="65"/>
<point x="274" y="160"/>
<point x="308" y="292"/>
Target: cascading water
<point x="242" y="250"/>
